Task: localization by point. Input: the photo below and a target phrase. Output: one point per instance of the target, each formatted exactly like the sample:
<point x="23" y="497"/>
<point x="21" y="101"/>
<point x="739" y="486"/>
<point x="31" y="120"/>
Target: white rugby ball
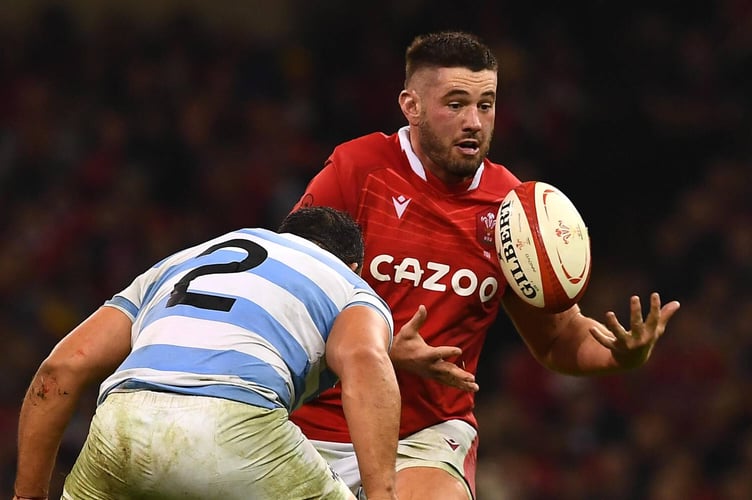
<point x="543" y="246"/>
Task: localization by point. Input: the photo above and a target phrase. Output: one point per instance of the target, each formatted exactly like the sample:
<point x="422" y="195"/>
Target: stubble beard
<point x="447" y="158"/>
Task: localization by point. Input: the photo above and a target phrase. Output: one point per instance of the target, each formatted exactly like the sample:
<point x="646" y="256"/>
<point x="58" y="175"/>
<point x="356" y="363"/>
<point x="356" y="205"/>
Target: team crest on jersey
<point x="484" y="228"/>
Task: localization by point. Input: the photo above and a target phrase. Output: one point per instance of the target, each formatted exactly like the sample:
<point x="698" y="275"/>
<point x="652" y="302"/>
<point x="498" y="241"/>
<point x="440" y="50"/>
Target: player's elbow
<point x="364" y="358"/>
<point x="68" y="373"/>
<point x="545" y="356"/>
<point x="545" y="353"/>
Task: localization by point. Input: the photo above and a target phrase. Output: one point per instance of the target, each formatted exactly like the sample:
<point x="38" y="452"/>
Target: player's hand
<point x="411" y="353"/>
<point x="633" y="348"/>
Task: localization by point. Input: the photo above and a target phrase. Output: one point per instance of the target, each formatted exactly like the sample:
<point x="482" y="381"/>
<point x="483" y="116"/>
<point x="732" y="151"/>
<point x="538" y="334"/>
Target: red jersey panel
<point x="424" y="244"/>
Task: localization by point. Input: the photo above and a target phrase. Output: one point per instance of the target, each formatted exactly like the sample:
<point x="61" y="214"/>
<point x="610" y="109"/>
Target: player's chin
<point x="466" y="165"/>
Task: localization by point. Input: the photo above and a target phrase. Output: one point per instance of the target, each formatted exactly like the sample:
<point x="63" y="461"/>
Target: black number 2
<point x="180" y="294"/>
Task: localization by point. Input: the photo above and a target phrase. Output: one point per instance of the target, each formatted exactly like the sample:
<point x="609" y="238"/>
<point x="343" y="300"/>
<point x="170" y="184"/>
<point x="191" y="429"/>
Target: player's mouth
<point x="468" y="146"/>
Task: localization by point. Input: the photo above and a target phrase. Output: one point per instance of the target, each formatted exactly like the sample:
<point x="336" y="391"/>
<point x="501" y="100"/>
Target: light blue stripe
<point x="208" y="362"/>
<point x="123" y="303"/>
<point x="224" y="391"/>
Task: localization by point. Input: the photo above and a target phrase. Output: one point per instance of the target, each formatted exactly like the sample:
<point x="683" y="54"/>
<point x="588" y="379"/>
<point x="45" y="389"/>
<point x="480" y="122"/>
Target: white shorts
<point x="450" y="446"/>
<point x="161" y="445"/>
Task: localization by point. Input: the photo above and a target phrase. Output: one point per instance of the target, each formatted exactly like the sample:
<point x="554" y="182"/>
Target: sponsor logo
<point x="434" y="276"/>
<point x="400" y="204"/>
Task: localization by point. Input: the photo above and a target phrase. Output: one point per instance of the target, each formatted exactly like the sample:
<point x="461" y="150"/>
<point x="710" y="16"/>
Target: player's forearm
<point x="45" y="413"/>
<point x="371" y="402"/>
<point x="575" y="352"/>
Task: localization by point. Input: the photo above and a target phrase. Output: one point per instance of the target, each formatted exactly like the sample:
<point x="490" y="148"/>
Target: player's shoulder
<point x="497" y="177"/>
<point x="374" y="139"/>
<point x="371" y="149"/>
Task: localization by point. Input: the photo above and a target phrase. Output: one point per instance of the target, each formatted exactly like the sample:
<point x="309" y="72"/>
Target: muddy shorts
<point x="148" y="444"/>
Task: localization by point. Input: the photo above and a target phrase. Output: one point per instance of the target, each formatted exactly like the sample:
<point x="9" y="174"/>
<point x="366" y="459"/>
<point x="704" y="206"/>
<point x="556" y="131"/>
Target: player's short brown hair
<point x="331" y="229"/>
<point x="448" y="49"/>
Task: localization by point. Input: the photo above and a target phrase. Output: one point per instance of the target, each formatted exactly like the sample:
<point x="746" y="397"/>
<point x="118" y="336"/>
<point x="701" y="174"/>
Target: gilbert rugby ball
<point x="543" y="246"/>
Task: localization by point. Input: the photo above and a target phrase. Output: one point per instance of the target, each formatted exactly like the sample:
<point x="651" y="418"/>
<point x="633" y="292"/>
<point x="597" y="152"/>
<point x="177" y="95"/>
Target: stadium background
<point x="130" y="129"/>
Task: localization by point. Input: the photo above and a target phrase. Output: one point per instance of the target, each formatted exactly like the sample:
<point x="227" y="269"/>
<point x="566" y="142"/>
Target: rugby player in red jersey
<point x="426" y="198"/>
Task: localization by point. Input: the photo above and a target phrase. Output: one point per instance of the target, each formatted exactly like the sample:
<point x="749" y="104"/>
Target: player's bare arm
<point x="357" y="352"/>
<point x="87" y="354"/>
<point x="411" y="353"/>
<point x="572" y="343"/>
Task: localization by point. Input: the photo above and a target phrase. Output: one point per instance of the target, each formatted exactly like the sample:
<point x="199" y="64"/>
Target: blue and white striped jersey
<point x="244" y="317"/>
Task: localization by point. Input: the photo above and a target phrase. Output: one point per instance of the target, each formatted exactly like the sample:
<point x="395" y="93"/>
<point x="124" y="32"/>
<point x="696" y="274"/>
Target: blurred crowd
<point x="124" y="140"/>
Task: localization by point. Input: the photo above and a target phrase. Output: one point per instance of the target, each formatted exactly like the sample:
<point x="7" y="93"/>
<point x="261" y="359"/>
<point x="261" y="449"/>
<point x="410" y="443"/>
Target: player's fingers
<point x="468" y="386"/>
<point x="418" y="318"/>
<point x="655" y="303"/>
<point x="463" y="385"/>
<point x="616" y="330"/>
<point x="651" y="322"/>
<point x="447" y="352"/>
<point x="410" y="329"/>
<point x="455" y="376"/>
<point x="458" y="372"/>
<point x="635" y="318"/>
<point x="606" y="339"/>
<point x="668" y="311"/>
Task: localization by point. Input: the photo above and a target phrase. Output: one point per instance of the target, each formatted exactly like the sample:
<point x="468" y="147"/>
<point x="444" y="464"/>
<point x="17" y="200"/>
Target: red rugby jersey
<point x="425" y="243"/>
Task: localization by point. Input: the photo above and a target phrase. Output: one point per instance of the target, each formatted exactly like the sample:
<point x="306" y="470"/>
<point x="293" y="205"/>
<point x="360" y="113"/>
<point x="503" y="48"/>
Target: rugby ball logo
<point x="543" y="246"/>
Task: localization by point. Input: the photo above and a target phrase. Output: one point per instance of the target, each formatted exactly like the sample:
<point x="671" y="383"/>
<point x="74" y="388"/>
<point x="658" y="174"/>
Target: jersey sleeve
<point x="326" y="189"/>
<point x="130" y="299"/>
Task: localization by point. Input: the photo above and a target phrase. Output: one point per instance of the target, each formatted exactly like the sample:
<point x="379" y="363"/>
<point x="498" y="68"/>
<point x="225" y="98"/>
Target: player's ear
<point x="410" y="106"/>
<point x="354" y="267"/>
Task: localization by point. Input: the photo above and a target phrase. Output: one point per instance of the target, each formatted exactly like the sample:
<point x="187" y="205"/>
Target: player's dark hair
<point x="448" y="49"/>
<point x="331" y="229"/>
